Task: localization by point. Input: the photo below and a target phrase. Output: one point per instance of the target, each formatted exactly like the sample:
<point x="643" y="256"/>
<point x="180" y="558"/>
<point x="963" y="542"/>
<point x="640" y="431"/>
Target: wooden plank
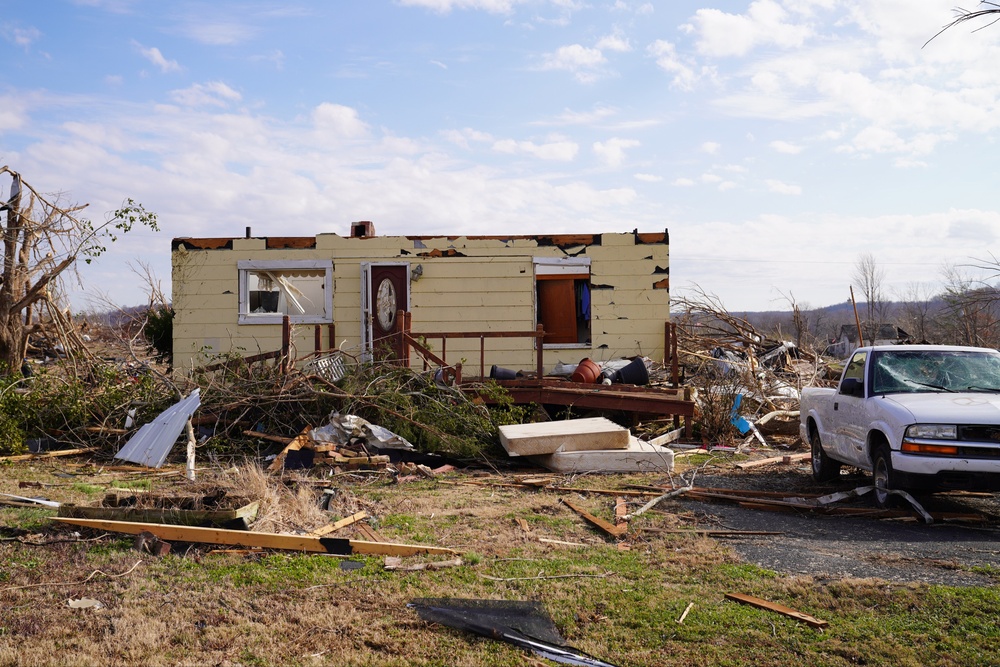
<point x="613" y="531"/>
<point x="298" y="442"/>
<point x="778" y="608"/>
<point x="280" y="439"/>
<point x="177" y="517"/>
<point x="621" y="509"/>
<point x="48" y="455"/>
<point x="337" y="525"/>
<point x="786" y="458"/>
<point x="243" y="538"/>
<point x="370" y="533"/>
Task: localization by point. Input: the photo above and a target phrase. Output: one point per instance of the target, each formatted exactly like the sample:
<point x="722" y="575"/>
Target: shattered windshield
<point x="935" y="371"/>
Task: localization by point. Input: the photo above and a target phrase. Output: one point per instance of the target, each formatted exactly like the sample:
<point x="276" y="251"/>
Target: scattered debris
<point x="523" y="624"/>
<point x="785" y="459"/>
<point x="612" y="530"/>
<point x="760" y="603"/>
<point x="396" y="563"/>
<point x="146" y="541"/>
<point x="241" y="516"/>
<point x="308" y="543"/>
<point x="687" y="609"/>
<point x="48" y="455"/>
<point x="85" y="603"/>
<point x="151" y="443"/>
<point x="34" y="501"/>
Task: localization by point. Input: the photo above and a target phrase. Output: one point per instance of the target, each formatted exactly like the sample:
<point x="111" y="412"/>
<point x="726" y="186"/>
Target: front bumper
<point x="944" y="472"/>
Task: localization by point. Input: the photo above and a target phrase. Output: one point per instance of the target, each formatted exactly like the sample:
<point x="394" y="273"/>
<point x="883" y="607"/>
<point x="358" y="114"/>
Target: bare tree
<point x="916" y="307"/>
<point x="869" y="277"/>
<point x="986" y="9"/>
<point x="41" y="241"/>
<point x="971" y="316"/>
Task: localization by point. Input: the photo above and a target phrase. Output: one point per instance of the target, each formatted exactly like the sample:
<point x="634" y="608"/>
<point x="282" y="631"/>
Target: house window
<point x="563" y="300"/>
<point x="271" y="289"/>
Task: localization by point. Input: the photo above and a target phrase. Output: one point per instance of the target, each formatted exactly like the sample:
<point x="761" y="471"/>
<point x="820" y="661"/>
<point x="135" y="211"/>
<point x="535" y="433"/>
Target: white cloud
<point x="340" y="121"/>
<point x="710" y="147"/>
<point x="613" y="150"/>
<point x="219" y="33"/>
<point x="683" y="182"/>
<point x="213" y="93"/>
<point x="785" y="147"/>
<point x="585" y="63"/>
<point x="13" y="113"/>
<point x="569" y="117"/>
<point x="764" y="24"/>
<point x="614" y="42"/>
<point x="560" y="150"/>
<point x="710" y="178"/>
<point x="648" y="178"/>
<point x="778" y="187"/>
<point x="445" y="6"/>
<point x="685" y="70"/>
<point x="726" y="185"/>
<point x="465" y="135"/>
<point x="18" y="36"/>
<point x="153" y="55"/>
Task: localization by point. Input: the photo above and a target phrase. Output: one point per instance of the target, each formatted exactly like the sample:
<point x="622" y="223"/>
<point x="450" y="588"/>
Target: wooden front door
<point x="388" y="292"/>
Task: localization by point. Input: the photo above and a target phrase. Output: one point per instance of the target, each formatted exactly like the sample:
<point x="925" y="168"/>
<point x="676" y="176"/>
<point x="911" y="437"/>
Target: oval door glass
<point x="386" y="304"/>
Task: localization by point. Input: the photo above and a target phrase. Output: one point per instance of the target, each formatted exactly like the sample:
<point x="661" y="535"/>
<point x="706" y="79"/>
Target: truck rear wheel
<point x="824" y="469"/>
<point x="884" y="477"/>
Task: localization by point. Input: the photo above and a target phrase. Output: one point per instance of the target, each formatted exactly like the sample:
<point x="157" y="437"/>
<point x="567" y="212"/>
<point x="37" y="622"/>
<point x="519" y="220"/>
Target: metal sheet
<point x="151" y="443"/>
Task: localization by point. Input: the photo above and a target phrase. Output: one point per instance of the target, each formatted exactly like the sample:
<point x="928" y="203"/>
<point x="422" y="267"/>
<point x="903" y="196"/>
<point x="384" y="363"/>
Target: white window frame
<point x="246" y="265"/>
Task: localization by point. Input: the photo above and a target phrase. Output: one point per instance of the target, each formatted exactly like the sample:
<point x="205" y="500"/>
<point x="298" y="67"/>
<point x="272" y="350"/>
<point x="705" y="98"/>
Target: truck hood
<point x="958" y="408"/>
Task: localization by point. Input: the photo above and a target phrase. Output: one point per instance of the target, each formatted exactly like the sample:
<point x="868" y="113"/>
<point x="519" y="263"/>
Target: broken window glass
<point x="301" y="289"/>
<point x="936" y="370"/>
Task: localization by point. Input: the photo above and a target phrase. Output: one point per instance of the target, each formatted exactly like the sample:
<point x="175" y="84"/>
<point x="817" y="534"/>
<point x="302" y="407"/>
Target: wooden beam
<point x="243" y="538"/>
<point x="47" y="455"/>
<point x="775" y="607"/>
<point x="171" y="516"/>
<point x="613" y="531"/>
<point x="337" y="525"/>
<point x="298" y="442"/>
<point x="787" y="458"/>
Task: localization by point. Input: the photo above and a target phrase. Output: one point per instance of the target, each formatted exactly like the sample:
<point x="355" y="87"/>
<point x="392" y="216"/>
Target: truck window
<point x="856" y="367"/>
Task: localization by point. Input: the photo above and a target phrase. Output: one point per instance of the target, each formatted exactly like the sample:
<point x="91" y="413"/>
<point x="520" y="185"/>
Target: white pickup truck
<point x="919" y="417"/>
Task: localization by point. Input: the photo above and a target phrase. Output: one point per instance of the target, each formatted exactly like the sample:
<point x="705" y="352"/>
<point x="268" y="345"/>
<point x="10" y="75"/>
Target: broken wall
<point x="455" y="284"/>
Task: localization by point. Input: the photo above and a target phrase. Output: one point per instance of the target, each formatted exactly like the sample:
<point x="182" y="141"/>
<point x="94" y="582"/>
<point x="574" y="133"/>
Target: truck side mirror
<point x="852" y="387"/>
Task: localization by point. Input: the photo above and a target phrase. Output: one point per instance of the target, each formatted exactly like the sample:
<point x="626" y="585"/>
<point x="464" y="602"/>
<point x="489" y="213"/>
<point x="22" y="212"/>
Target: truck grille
<point x="980" y="433"/>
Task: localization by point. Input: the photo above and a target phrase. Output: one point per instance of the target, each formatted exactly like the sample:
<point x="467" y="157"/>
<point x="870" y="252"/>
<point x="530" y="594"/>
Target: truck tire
<point x="824" y="469"/>
<point x="884" y="477"/>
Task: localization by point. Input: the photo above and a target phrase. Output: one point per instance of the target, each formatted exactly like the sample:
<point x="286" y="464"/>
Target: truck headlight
<point x="932" y="432"/>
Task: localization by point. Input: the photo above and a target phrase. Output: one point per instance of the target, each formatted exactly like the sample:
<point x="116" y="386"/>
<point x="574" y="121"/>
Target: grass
<point x="192" y="607"/>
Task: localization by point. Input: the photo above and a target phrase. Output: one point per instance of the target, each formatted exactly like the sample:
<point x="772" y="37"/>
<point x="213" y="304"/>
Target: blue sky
<point x="777" y="140"/>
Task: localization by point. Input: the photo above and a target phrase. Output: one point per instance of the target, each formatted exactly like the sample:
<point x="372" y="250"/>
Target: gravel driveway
<point x="831" y="547"/>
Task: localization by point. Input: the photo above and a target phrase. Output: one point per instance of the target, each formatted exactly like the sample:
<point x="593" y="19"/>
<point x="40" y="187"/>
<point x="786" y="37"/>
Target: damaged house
<point x="603" y="296"/>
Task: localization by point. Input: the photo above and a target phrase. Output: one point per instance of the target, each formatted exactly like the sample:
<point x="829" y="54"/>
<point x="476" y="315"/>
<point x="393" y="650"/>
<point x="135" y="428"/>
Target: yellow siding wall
<point x="488" y="286"/>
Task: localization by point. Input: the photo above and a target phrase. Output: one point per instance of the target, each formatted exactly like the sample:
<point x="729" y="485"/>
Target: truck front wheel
<point x="884" y="477"/>
<point x="824" y="469"/>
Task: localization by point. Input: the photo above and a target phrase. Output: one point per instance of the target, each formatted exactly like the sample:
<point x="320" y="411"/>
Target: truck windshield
<point x="935" y="370"/>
